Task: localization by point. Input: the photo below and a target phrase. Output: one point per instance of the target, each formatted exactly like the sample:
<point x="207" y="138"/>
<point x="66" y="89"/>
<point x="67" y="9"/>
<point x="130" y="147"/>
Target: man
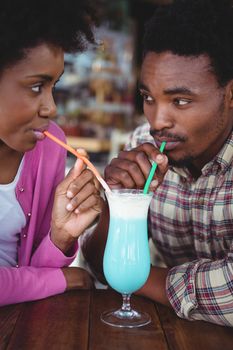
<point x="187" y="86"/>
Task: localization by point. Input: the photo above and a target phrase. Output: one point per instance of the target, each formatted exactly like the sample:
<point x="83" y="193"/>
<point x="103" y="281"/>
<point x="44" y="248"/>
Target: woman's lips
<point x="170" y="145"/>
<point x="39" y="133"/>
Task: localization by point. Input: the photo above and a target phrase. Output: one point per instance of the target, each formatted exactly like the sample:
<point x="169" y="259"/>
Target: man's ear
<point x="230" y="93"/>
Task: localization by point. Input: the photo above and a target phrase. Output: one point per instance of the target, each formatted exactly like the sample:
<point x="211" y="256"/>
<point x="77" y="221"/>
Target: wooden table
<point x="72" y="321"/>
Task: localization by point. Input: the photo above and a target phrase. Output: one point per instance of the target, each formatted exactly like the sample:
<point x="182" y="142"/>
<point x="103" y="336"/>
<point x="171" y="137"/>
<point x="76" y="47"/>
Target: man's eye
<point x="181" y="101"/>
<point x="147" y="98"/>
<point x="36" y="88"/>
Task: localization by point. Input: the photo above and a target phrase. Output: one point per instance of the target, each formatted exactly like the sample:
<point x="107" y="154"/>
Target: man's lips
<point x="170" y="144"/>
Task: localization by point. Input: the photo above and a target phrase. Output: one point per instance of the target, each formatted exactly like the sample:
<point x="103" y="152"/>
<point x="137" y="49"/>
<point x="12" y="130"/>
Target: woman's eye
<point x="36" y="88"/>
<point x="181" y="101"/>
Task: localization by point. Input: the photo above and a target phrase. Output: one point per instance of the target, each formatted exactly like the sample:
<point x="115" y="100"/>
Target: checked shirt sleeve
<point x="203" y="290"/>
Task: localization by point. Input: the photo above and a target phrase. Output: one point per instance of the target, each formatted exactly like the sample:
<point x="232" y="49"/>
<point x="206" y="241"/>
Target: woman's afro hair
<point x="26" y="23"/>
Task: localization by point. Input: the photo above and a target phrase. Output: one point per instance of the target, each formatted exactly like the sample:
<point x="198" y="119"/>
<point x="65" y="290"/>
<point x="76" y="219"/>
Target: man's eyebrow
<point x="142" y="86"/>
<point x="171" y="91"/>
<point x="179" y="90"/>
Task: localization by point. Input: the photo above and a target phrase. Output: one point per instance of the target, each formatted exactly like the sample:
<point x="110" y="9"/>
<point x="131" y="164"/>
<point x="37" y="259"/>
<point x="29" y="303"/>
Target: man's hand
<point x="131" y="168"/>
<point x="77" y="278"/>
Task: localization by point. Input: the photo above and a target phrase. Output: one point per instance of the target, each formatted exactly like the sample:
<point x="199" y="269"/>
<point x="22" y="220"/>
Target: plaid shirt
<point x="191" y="224"/>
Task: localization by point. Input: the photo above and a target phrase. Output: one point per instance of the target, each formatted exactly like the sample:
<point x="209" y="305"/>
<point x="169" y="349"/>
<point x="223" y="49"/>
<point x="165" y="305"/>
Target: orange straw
<point x="84" y="159"/>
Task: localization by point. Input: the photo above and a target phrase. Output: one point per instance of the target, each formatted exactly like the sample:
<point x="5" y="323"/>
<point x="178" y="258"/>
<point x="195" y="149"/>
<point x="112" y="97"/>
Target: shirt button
<point x="24" y="236"/>
<point x="21" y="189"/>
<point x="17" y="265"/>
<point x="29" y="214"/>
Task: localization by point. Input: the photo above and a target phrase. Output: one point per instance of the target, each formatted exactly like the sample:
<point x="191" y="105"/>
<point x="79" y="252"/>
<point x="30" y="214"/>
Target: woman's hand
<point x="77" y="203"/>
<point x="131" y="168"/>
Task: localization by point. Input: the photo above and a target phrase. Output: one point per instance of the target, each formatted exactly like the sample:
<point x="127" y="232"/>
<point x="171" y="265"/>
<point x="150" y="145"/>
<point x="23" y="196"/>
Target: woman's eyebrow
<point x="43" y="76"/>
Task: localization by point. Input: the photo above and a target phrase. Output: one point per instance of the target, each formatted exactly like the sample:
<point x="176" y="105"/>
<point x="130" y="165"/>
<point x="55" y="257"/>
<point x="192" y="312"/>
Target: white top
<point x="12" y="220"/>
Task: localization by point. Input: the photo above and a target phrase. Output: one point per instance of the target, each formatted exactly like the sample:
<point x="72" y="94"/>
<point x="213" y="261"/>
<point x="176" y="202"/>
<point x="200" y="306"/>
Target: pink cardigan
<point x="38" y="274"/>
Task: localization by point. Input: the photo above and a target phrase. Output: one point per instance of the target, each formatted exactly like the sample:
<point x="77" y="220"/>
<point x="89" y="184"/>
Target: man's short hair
<point x="193" y="28"/>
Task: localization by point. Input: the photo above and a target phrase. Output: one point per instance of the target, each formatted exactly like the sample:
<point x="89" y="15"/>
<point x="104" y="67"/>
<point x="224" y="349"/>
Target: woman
<point x="41" y="215"/>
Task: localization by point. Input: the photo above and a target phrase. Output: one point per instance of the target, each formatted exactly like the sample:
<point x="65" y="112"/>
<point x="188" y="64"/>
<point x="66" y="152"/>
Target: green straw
<point x="152" y="171"/>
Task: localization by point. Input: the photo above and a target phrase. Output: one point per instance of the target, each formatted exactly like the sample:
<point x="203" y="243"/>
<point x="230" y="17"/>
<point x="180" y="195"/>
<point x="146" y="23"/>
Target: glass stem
<point x="126" y="302"/>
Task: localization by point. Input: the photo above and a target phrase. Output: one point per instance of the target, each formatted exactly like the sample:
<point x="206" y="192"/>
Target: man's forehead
<point x="169" y="59"/>
<point x="171" y="67"/>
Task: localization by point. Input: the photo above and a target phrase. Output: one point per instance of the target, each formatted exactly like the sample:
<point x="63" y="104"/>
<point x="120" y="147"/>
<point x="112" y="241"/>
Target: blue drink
<point x="127" y="257"/>
<point x="126" y="261"/>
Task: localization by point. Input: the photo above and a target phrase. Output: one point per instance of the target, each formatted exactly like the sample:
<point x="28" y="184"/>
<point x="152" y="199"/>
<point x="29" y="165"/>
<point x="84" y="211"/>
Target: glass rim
<point x="131" y="191"/>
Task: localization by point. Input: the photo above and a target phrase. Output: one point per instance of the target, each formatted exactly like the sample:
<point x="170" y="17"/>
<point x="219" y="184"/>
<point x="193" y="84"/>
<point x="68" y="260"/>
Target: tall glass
<point x="127" y="258"/>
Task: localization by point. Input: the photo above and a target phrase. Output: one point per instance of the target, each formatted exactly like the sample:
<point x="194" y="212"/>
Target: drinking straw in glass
<point x="80" y="156"/>
<point x="152" y="171"/>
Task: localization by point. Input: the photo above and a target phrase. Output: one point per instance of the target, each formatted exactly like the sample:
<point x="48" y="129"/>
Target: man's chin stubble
<point x="181" y="163"/>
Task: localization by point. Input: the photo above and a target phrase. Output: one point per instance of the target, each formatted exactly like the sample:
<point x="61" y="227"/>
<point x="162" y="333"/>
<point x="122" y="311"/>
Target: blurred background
<point x="97" y="98"/>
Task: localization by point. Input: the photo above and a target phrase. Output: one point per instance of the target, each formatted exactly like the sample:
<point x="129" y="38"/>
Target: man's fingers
<point x="128" y="173"/>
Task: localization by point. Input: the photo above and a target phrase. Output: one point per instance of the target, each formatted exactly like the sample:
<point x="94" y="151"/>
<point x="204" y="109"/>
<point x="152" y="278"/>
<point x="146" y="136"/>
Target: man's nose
<point x="161" y="118"/>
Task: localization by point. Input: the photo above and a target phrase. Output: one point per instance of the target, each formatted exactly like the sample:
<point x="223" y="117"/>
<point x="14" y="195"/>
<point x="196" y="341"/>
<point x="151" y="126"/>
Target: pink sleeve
<point x="29" y="283"/>
<point x="48" y="255"/>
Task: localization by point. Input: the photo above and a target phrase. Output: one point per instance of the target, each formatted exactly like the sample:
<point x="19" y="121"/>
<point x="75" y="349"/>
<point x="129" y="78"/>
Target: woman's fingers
<point x="79" y="201"/>
<point x="79" y="182"/>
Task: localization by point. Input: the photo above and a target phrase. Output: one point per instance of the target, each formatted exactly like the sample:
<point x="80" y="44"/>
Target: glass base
<point x="123" y="318"/>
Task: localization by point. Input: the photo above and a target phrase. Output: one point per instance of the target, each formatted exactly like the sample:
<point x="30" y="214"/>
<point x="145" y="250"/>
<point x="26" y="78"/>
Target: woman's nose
<point x="48" y="108"/>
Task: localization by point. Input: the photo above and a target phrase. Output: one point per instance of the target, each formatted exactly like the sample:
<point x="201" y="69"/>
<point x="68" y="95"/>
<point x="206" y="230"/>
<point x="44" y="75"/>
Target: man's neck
<point x="194" y="171"/>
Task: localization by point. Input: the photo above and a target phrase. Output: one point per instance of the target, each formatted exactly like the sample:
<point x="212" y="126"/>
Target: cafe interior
<point x="97" y="98"/>
<point x="98" y="105"/>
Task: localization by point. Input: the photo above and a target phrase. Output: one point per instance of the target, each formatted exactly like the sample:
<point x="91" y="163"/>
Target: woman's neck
<point x="9" y="163"/>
